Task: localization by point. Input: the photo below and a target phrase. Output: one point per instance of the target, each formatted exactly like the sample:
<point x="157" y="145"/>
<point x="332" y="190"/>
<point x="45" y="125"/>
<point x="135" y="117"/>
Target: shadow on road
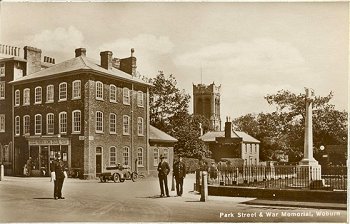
<point x="156" y="197"/>
<point x="44" y="198"/>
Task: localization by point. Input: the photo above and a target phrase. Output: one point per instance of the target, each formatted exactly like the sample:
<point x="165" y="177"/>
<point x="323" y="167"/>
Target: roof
<point x="211" y="136"/>
<point x="156" y="135"/>
<point x="4" y="59"/>
<point x="79" y="63"/>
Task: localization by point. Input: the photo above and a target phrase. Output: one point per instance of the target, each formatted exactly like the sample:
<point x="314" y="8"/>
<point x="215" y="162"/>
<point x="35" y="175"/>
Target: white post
<point x="204" y="187"/>
<point x="1" y="172"/>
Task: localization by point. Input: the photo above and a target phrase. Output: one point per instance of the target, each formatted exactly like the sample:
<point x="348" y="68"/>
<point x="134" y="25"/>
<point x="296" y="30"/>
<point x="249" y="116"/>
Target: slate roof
<point x="156" y="135"/>
<point x="211" y="136"/>
<point x="79" y="63"/>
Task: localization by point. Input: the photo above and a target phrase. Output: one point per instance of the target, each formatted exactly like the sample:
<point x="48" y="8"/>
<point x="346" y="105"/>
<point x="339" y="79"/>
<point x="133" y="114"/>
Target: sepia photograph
<point x="116" y="111"/>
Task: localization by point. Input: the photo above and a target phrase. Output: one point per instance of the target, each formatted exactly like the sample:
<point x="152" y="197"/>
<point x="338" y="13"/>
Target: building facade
<point x="232" y="144"/>
<point x="94" y="113"/>
<point x="206" y="102"/>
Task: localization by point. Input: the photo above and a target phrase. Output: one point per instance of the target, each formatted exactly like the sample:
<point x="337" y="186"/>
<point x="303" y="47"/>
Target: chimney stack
<point x="128" y="65"/>
<point x="80" y="52"/>
<point x="228" y="128"/>
<point x="106" y="59"/>
<point x="33" y="57"/>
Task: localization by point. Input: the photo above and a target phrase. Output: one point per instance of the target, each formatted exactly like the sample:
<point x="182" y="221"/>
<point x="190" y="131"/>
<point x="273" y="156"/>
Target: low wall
<point x="280" y="194"/>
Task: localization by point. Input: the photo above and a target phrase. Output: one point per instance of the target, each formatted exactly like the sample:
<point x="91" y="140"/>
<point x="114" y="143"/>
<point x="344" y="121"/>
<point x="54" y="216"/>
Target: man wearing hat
<point x="58" y="173"/>
<point x="179" y="174"/>
<point x="163" y="171"/>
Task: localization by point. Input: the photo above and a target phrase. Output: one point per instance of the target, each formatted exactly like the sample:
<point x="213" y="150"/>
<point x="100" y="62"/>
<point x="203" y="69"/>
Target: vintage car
<point x="118" y="173"/>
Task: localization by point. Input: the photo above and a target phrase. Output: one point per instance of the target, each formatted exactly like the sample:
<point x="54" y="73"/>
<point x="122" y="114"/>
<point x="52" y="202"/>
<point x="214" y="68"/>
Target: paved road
<point x="30" y="200"/>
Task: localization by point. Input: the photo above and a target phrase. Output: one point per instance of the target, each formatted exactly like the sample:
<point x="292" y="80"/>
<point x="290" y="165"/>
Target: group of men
<point x="58" y="173"/>
<point x="179" y="173"/>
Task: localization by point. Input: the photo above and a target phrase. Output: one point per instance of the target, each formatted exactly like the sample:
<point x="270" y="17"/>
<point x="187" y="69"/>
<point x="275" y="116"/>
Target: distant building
<point x="232" y="144"/>
<point x="206" y="102"/>
<point x="94" y="113"/>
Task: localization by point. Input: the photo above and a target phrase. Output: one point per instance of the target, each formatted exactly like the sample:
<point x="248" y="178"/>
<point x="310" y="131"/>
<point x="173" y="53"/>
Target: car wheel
<point x="134" y="176"/>
<point x="116" y="178"/>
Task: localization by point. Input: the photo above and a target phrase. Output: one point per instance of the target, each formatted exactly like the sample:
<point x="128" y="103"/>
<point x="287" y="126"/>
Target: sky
<point x="250" y="49"/>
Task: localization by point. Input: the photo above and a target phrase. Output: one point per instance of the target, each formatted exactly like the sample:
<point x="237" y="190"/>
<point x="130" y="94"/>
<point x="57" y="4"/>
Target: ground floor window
<point x="126" y="155"/>
<point x="140" y="156"/>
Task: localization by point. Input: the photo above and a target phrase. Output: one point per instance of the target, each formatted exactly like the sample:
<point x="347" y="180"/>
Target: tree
<point x="283" y="129"/>
<point x="169" y="113"/>
<point x="167" y="101"/>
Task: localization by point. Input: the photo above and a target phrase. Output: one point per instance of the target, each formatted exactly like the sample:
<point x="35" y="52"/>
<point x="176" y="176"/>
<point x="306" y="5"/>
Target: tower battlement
<point x="206" y="89"/>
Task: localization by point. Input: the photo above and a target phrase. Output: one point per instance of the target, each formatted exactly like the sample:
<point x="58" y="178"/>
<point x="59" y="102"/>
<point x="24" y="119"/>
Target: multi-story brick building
<point x="95" y="113"/>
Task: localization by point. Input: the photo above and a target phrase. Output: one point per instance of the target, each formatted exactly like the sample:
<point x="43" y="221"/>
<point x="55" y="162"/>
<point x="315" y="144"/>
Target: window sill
<point x="26" y="104"/>
<point x="76" y="133"/>
<point x="37" y="103"/>
<point x="126" y="134"/>
<point x="17" y="105"/>
<point x="126" y="104"/>
<point x="61" y="100"/>
<point x="140" y="166"/>
<point x="99" y="132"/>
<point x="49" y="101"/>
<point x="139" y="135"/>
<point x="140" y="106"/>
<point x="112" y="133"/>
<point x="76" y="98"/>
<point x="111" y="101"/>
<point x="17" y="135"/>
<point x="37" y="134"/>
<point x="100" y="99"/>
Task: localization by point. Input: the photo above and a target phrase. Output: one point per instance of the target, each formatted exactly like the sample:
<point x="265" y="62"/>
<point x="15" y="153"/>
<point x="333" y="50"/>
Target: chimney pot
<point x="53" y="61"/>
<point x="80" y="52"/>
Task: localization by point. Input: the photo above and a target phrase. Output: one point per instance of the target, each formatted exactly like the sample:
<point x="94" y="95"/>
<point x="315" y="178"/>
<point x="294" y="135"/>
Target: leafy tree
<point x="283" y="129"/>
<point x="169" y="113"/>
<point x="167" y="101"/>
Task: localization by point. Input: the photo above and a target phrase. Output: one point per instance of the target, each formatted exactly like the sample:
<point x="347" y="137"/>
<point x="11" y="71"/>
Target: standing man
<point x="163" y="171"/>
<point x="58" y="173"/>
<point x="179" y="174"/>
<point x="29" y="166"/>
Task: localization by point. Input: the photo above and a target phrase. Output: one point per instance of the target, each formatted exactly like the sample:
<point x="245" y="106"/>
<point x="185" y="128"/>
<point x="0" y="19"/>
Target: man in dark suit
<point x="179" y="174"/>
<point x="58" y="173"/>
<point x="163" y="171"/>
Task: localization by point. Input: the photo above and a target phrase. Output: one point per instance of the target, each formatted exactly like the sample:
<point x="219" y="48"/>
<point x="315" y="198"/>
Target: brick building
<point x="95" y="113"/>
<point x="232" y="144"/>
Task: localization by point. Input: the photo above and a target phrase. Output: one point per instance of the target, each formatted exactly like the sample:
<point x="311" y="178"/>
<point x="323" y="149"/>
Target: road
<point x="30" y="200"/>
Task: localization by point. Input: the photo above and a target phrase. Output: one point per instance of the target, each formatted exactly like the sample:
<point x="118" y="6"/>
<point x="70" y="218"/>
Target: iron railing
<point x="280" y="177"/>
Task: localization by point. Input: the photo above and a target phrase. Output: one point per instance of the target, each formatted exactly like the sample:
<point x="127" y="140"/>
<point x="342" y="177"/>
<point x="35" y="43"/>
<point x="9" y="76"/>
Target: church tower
<point x="206" y="102"/>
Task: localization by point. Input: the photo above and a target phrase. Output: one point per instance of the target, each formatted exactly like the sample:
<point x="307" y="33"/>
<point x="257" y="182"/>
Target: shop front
<point x="42" y="151"/>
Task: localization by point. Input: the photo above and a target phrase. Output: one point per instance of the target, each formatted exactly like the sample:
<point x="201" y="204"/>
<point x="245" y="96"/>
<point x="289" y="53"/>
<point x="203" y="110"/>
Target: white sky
<point x="251" y="49"/>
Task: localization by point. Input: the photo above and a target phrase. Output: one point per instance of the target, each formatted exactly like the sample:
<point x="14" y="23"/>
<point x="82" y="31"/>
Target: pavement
<point x="30" y="200"/>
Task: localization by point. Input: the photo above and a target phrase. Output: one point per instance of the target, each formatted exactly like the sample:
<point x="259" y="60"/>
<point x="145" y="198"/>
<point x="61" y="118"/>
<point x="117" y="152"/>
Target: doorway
<point x="98" y="160"/>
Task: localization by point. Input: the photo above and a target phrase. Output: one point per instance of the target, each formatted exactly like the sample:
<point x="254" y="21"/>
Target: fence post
<point x="198" y="177"/>
<point x="204" y="186"/>
<point x="1" y="172"/>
